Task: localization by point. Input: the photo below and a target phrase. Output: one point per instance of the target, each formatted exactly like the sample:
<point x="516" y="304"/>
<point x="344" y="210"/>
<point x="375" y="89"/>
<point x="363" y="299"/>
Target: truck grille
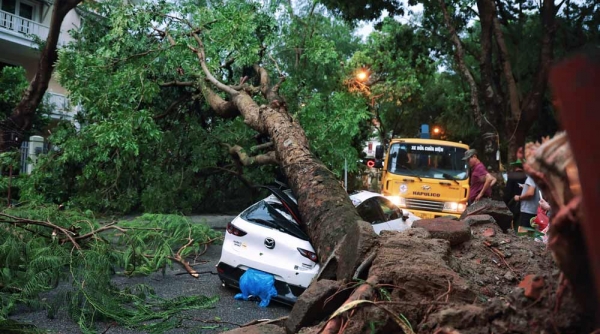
<point x="421" y="204"/>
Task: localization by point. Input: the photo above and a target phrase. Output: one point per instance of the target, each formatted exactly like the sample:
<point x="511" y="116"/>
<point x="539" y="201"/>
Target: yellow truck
<point x="426" y="176"/>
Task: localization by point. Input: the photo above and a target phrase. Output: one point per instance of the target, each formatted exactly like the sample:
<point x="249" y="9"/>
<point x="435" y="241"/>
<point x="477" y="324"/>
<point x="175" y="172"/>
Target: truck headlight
<point x="454" y="207"/>
<point x="399" y="201"/>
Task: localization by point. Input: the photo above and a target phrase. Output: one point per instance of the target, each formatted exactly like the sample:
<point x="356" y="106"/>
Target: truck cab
<point x="426" y="176"/>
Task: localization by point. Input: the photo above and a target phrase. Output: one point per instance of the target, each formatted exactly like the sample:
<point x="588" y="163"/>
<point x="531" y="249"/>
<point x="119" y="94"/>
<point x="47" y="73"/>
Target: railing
<point x="59" y="102"/>
<point x="20" y="25"/>
<point x="61" y="106"/>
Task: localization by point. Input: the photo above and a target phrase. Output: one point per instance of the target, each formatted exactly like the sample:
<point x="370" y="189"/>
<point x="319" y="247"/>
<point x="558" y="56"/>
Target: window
<point x="370" y="211"/>
<point x="273" y="215"/>
<point x="9" y="6"/>
<point x="426" y="160"/>
<point x="389" y="209"/>
<point x="18" y="14"/>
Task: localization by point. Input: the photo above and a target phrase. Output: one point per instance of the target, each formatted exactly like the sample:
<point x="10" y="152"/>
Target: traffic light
<point x="372" y="163"/>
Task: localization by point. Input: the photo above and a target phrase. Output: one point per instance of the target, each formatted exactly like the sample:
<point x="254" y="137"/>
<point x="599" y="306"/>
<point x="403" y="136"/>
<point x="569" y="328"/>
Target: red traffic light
<point x="371" y="163"/>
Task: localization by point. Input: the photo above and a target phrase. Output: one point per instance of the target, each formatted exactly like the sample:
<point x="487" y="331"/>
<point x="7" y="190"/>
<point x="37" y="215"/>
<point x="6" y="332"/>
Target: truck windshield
<point x="426" y="160"/>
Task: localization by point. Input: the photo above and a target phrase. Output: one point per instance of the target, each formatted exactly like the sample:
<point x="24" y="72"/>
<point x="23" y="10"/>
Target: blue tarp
<point x="257" y="283"/>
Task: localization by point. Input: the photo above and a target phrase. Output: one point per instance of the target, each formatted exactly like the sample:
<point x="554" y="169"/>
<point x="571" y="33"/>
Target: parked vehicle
<point x="269" y="236"/>
<point x="426" y="176"/>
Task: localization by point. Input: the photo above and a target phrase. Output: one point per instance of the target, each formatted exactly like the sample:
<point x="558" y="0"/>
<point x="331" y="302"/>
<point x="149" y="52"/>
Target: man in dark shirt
<point x="481" y="181"/>
<point x="514" y="182"/>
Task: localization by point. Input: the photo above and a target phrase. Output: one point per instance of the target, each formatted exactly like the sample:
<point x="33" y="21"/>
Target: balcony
<point x="61" y="106"/>
<point x="20" y="30"/>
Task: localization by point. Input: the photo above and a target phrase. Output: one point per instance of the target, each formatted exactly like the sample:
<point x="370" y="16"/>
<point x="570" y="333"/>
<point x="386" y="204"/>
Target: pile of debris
<point x="472" y="275"/>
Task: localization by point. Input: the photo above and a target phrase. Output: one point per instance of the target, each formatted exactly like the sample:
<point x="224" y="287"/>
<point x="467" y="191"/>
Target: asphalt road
<point x="227" y="314"/>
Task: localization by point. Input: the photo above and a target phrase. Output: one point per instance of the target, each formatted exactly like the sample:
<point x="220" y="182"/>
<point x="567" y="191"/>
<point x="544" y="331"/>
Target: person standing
<point x="514" y="181"/>
<point x="529" y="200"/>
<point x="481" y="182"/>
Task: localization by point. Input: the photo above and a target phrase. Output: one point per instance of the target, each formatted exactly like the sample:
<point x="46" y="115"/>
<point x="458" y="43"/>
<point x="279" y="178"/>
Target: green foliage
<point x="146" y="146"/>
<point x="12" y="85"/>
<point x="332" y="123"/>
<point x="439" y="93"/>
<point x="152" y="247"/>
<point x="364" y="9"/>
<point x="406" y="88"/>
<point x="36" y="258"/>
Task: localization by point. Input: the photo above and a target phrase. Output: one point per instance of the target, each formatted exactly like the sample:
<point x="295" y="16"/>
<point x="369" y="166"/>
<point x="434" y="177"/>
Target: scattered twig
<point x="263" y="321"/>
<point x="542" y="295"/>
<point x="103" y="228"/>
<point x="500" y="255"/>
<point x="185" y="265"/>
<point x="350" y="285"/>
<point x="198" y="272"/>
<point x="361" y="294"/>
<point x="215" y="322"/>
<point x="447" y="293"/>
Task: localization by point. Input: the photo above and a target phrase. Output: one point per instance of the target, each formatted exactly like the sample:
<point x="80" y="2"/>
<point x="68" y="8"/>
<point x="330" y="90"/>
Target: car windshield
<point x="425" y="160"/>
<point x="273" y="215"/>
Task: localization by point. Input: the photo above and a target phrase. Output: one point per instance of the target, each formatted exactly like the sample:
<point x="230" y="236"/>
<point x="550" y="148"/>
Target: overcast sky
<point x="365" y="28"/>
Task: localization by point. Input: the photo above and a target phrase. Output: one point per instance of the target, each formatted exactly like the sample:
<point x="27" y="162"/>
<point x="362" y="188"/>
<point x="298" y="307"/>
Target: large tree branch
<point x="513" y="90"/>
<point x="464" y="70"/>
<point x="23" y="221"/>
<point x="237" y="151"/>
<point x="224" y="109"/>
<point x="491" y="94"/>
<point x="271" y="93"/>
<point x="202" y="58"/>
<point x="200" y="53"/>
<point x="533" y="101"/>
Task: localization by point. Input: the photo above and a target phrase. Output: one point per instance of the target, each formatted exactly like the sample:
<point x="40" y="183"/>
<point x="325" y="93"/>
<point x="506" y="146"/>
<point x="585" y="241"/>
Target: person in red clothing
<point x="481" y="181"/>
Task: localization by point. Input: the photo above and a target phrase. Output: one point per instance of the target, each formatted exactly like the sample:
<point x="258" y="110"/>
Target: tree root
<point x="363" y="292"/>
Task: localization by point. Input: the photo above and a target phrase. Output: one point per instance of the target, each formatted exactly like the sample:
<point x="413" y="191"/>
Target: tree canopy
<point x="502" y="51"/>
<point x="148" y="138"/>
<point x="187" y="106"/>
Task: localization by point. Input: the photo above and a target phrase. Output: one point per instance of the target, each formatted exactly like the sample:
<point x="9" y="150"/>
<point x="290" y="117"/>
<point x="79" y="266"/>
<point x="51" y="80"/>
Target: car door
<point x="370" y="211"/>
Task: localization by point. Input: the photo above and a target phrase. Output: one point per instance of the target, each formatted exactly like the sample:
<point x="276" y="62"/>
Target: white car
<point x="267" y="237"/>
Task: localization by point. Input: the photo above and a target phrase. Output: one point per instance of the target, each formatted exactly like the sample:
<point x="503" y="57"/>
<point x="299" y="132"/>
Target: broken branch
<point x="22" y="221"/>
<point x="247" y="160"/>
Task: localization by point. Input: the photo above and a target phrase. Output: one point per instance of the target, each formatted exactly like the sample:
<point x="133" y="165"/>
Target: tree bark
<point x="531" y="105"/>
<point x="491" y="87"/>
<point x="13" y="128"/>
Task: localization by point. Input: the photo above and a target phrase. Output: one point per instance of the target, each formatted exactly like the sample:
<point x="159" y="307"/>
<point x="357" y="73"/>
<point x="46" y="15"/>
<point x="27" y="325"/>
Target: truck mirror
<point x="379" y="152"/>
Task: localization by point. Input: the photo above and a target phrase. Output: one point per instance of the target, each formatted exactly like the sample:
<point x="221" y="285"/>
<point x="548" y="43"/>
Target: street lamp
<point x="362" y="75"/>
<point x="436" y="130"/>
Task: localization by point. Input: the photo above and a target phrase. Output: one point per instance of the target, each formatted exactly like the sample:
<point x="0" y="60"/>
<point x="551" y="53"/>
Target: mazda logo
<point x="426" y="187"/>
<point x="270" y="243"/>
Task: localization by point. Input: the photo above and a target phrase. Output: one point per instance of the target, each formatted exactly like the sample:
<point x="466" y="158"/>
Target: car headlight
<point x="454" y="207"/>
<point x="399" y="201"/>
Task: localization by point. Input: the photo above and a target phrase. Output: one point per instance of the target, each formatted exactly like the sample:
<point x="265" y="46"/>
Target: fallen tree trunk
<point x="408" y="278"/>
<point x="339" y="236"/>
<point x="417" y="284"/>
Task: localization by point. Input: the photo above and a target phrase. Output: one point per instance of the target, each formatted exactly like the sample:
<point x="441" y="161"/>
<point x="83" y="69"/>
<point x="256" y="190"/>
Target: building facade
<point x="22" y="22"/>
